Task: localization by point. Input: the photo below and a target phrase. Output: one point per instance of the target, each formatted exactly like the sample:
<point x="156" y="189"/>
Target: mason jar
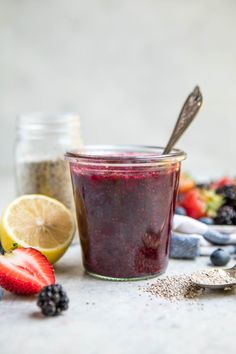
<point x="41" y="141"/>
<point x="125" y="200"/>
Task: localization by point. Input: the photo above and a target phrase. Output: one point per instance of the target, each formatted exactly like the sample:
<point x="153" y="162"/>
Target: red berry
<point x="225" y="181"/>
<point x="193" y="204"/>
<point x="25" y="271"/>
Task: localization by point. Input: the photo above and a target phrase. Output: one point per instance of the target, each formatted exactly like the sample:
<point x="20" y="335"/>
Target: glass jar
<point x="125" y="199"/>
<point x="41" y="142"/>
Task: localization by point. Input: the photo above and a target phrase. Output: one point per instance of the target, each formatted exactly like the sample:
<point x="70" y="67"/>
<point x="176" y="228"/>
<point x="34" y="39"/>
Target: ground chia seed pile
<point x="48" y="177"/>
<point x="213" y="277"/>
<point x="180" y="287"/>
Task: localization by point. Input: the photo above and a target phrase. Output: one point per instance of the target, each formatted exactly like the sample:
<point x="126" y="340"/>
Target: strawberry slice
<point x="25" y="271"/>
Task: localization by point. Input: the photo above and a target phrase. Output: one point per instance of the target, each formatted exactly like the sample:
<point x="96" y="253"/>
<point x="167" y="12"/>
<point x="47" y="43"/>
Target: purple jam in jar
<point x="125" y="199"/>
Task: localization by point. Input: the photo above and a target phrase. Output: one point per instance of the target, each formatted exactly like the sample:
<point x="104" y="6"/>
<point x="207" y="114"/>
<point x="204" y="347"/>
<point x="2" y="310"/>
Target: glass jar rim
<point x="124" y="155"/>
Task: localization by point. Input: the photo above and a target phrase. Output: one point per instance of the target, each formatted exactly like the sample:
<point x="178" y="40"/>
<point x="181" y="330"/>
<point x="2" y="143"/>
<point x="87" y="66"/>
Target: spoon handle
<point x="186" y="116"/>
<point x="233" y="269"/>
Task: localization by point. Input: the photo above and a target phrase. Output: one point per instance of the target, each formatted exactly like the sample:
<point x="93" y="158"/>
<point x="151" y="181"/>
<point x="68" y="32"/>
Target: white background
<point x="126" y="67"/>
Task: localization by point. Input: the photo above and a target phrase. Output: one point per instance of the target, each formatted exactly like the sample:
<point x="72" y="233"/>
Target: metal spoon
<point x="230" y="271"/>
<point x="185" y="118"/>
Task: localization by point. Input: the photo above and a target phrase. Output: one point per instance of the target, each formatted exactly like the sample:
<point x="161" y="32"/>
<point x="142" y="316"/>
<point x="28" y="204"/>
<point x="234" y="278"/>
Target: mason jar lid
<point x="39" y="124"/>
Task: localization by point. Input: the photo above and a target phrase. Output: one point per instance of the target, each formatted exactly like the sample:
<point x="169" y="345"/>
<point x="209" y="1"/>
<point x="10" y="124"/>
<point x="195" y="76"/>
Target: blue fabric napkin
<point x="192" y="238"/>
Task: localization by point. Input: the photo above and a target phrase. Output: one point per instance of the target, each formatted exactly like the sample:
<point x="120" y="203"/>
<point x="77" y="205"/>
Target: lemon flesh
<point x="40" y="222"/>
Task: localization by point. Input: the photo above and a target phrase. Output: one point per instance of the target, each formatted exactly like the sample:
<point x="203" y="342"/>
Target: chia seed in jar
<point x="48" y="177"/>
<point x="42" y="140"/>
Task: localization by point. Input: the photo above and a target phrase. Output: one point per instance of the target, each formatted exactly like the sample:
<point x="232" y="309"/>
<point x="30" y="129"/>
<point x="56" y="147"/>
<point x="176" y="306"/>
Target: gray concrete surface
<point x="118" y="318"/>
<point x="115" y="317"/>
<point x="126" y="67"/>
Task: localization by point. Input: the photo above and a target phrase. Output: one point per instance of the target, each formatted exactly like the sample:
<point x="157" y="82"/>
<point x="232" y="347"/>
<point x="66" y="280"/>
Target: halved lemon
<point x="40" y="222"/>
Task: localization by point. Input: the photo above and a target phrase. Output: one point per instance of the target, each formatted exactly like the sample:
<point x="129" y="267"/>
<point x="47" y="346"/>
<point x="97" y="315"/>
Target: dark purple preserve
<point x="125" y="206"/>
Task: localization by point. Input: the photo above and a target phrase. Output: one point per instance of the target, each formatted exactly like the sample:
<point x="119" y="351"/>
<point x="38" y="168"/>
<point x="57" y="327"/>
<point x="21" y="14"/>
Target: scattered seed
<point x="174" y="287"/>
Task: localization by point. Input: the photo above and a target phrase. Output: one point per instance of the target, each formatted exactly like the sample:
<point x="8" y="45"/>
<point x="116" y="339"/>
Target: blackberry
<point x="53" y="300"/>
<point x="229" y="194"/>
<point x="226" y="215"/>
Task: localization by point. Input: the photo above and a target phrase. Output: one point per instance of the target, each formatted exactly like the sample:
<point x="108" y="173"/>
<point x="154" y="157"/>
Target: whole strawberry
<point x="194" y="205"/>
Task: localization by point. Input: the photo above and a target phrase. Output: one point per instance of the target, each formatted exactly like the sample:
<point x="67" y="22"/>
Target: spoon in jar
<point x="187" y="114"/>
<point x="215" y="279"/>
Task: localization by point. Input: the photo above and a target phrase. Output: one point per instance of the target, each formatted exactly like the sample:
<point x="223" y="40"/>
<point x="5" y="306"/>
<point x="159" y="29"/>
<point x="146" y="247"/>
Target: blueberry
<point x="1" y="249"/>
<point x="207" y="220"/>
<point x="180" y="211"/>
<point x="1" y="293"/>
<point x="220" y="257"/>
